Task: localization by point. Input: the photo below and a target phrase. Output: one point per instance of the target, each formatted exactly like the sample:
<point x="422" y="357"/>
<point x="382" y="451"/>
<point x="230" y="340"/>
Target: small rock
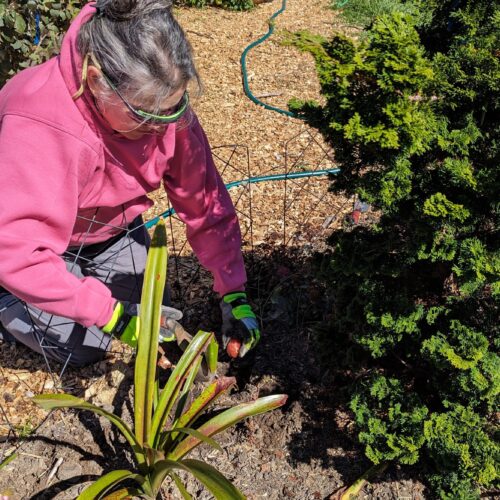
<point x="105" y="398"/>
<point x="69" y="470"/>
<point x="107" y="407"/>
<point x="116" y="377"/>
<point x="265" y="467"/>
<point x="49" y="384"/>
<point x="89" y="393"/>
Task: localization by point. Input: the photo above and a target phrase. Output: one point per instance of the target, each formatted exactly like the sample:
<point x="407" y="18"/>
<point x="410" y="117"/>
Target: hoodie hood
<point x="71" y="65"/>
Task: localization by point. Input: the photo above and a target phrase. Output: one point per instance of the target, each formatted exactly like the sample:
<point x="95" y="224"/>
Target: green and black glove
<point x="124" y="323"/>
<point x="239" y="322"/>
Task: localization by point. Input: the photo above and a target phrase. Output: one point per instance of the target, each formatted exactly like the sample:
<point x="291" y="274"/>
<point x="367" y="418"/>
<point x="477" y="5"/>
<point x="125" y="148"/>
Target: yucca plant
<point x="163" y="433"/>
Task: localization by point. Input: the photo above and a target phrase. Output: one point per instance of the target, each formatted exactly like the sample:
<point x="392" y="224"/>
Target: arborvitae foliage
<point x="412" y="112"/>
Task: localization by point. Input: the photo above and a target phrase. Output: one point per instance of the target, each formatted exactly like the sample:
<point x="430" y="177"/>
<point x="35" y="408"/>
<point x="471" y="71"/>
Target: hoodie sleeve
<point x="198" y="195"/>
<point x="38" y="206"/>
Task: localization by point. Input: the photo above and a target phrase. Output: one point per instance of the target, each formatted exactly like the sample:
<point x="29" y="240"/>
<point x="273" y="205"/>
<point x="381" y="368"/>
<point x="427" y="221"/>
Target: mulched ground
<point x="307" y="449"/>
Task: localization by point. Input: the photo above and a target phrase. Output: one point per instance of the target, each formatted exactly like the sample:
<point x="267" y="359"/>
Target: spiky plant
<point x="162" y="437"/>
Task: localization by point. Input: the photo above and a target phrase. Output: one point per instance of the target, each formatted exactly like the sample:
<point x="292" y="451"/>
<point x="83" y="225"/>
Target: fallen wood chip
<point x="200" y="34"/>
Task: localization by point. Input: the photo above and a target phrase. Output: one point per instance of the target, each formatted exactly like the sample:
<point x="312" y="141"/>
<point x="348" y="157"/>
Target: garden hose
<point x="244" y="74"/>
<point x="253" y="180"/>
<point x="339" y="4"/>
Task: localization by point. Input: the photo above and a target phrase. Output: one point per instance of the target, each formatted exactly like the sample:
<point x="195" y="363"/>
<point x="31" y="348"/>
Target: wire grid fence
<point x="287" y="212"/>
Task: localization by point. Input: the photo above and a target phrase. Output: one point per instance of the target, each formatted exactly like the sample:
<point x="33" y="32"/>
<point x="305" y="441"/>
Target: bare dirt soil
<point x="307" y="449"/>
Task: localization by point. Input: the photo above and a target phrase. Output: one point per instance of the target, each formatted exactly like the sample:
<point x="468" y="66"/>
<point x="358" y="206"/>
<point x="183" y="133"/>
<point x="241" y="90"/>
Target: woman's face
<point x="119" y="117"/>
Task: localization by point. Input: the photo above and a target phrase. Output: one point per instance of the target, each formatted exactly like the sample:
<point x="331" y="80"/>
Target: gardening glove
<point x="239" y="322"/>
<point x="124" y="323"/>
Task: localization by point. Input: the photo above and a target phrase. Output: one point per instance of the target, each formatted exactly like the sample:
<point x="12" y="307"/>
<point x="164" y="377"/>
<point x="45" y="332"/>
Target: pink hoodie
<point x="59" y="159"/>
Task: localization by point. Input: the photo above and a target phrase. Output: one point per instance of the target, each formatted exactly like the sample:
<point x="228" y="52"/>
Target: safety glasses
<point x="141" y="116"/>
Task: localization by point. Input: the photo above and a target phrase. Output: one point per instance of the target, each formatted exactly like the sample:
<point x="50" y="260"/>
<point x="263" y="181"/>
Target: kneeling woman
<point x="84" y="138"/>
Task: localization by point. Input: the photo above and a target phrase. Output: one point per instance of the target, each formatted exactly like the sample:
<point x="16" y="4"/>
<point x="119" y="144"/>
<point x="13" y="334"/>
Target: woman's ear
<point x="94" y="80"/>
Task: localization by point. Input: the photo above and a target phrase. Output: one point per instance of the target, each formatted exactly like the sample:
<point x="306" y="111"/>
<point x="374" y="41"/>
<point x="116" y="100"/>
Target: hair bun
<point x="124" y="10"/>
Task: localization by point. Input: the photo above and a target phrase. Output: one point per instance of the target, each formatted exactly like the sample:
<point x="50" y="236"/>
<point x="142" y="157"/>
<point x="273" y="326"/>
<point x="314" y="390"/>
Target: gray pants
<point x="119" y="263"/>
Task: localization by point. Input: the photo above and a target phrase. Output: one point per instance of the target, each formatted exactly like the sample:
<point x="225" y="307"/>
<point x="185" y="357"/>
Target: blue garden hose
<point x="246" y="87"/>
<point x="254" y="180"/>
<point x="339" y="4"/>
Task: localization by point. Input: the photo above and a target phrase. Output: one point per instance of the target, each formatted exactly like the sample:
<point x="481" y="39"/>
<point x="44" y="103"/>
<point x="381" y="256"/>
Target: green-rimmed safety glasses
<point x="141" y="116"/>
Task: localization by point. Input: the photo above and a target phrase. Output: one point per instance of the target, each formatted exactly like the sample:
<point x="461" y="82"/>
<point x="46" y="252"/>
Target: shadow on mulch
<point x="290" y="301"/>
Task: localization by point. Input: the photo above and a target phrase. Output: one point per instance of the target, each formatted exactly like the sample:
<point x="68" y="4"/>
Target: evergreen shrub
<point x="411" y="110"/>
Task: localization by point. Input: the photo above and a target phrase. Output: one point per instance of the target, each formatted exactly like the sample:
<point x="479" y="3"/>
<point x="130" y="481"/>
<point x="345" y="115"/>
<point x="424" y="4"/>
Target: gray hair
<point x="140" y="47"/>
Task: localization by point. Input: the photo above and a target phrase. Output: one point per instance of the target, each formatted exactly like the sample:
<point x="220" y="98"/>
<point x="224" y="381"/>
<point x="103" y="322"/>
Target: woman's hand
<point x="239" y="324"/>
<point x="124" y="323"/>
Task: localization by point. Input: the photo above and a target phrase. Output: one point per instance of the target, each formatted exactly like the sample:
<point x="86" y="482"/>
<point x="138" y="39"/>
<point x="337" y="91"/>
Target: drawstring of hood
<point x="83" y="81"/>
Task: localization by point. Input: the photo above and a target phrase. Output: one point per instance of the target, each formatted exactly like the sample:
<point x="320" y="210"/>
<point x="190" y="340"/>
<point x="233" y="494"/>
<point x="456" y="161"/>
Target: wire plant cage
<point x="286" y="204"/>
